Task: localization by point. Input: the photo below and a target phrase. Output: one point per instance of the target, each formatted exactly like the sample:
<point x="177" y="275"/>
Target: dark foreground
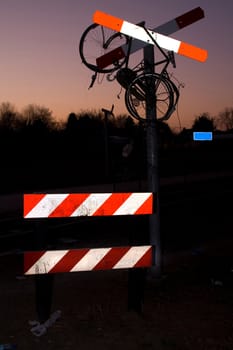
<point x="189" y="307"/>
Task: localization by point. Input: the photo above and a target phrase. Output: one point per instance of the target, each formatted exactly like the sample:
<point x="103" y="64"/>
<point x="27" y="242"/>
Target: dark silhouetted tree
<point x="204" y="123"/>
<point x="225" y="119"/>
<point x="40" y="115"/>
<point x="9" y="117"/>
<point x="72" y="122"/>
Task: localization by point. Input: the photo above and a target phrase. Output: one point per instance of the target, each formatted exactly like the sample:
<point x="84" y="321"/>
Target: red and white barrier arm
<point x="137" y="32"/>
<point x="167" y="28"/>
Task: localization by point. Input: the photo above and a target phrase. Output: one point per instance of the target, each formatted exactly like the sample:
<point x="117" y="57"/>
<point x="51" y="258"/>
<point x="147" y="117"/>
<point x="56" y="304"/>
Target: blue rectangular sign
<point x="202" y="136"/>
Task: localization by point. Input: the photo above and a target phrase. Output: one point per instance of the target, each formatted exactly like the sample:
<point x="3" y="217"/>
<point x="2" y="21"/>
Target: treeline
<point x="37" y="152"/>
<point x="90" y="147"/>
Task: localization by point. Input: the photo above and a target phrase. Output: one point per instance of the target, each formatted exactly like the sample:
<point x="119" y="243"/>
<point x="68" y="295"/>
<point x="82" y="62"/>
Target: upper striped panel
<point x="87" y="204"/>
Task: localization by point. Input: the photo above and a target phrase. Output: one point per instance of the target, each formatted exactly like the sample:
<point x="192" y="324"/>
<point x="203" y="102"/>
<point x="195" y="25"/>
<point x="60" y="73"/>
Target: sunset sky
<point x="40" y="62"/>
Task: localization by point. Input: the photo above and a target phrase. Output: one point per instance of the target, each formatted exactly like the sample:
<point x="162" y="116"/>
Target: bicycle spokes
<point x="148" y="91"/>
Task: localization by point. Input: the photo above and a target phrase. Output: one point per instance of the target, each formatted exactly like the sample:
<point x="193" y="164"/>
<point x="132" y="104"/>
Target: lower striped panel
<point x="55" y="261"/>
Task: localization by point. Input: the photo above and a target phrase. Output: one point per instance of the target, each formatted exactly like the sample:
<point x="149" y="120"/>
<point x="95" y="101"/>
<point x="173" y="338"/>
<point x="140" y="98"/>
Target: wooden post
<point x="153" y="161"/>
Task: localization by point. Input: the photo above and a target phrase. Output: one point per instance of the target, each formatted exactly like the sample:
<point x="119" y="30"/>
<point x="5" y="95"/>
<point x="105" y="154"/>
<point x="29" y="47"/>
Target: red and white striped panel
<point x="43" y="262"/>
<point x="139" y="33"/>
<point x="87" y="204"/>
<point x="167" y="28"/>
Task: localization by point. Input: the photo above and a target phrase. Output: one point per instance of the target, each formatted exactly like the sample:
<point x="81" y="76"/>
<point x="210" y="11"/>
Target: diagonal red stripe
<point x="69" y="260"/>
<point x="146" y="207"/>
<point x="112" y="204"/>
<point x="111" y="258"/>
<point x="30" y="201"/>
<point x="146" y="259"/>
<point x="69" y="205"/>
<point x="107" y="59"/>
<point x="30" y="258"/>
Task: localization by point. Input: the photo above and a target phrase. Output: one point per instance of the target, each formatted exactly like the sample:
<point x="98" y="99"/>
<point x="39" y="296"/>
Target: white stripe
<point x="91" y="259"/>
<point x="168" y="43"/>
<point x="91" y="204"/>
<point x="46" y="206"/>
<point x="140" y="34"/>
<point x="165" y="29"/>
<point x="131" y="257"/>
<point x="135" y="32"/>
<point x="131" y="205"/>
<point x="46" y="262"/>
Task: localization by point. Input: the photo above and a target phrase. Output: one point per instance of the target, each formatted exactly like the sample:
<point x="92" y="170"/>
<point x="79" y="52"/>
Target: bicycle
<point x="96" y="41"/>
<point x="149" y="90"/>
<point x="135" y="81"/>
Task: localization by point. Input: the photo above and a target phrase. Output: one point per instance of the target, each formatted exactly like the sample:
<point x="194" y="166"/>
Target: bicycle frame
<point x="137" y="77"/>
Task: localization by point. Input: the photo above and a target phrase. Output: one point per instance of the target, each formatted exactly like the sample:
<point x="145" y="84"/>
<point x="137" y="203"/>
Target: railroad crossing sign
<point x="146" y="39"/>
<point x="167" y="28"/>
<point x="149" y="36"/>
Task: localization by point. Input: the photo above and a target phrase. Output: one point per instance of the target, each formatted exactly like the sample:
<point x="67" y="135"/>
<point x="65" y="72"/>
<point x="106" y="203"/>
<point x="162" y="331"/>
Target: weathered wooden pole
<point x="136" y="276"/>
<point x="153" y="159"/>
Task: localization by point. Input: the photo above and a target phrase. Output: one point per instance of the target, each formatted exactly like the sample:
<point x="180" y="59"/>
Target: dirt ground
<point x="187" y="308"/>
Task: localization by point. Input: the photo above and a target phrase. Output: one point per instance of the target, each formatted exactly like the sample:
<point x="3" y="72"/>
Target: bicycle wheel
<point x="97" y="41"/>
<point x="160" y="90"/>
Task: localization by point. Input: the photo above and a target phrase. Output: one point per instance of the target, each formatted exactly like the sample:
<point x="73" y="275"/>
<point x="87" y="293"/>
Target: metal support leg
<point x="43" y="283"/>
